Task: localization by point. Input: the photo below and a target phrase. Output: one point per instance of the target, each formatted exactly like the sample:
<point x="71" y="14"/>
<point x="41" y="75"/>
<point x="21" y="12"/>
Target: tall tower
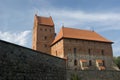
<point x="43" y="34"/>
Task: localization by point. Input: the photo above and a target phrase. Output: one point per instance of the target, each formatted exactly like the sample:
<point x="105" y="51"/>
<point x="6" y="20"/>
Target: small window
<point x="74" y="50"/>
<point x="45" y="37"/>
<point x="45" y="29"/>
<point x="56" y="53"/>
<point x="90" y="63"/>
<point x="103" y="63"/>
<point x="102" y="52"/>
<point x="75" y="62"/>
<point x="89" y="51"/>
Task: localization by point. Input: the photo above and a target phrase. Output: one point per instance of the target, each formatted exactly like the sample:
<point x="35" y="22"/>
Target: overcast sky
<point x="102" y="16"/>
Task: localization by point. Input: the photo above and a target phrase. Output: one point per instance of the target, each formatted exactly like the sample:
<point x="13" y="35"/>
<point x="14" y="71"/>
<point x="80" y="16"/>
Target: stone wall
<point x="20" y="63"/>
<point x="94" y="75"/>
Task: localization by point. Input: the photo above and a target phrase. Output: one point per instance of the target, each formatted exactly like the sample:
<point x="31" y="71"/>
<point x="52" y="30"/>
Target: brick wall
<point x="98" y="51"/>
<point x="58" y="49"/>
<point x="20" y="63"/>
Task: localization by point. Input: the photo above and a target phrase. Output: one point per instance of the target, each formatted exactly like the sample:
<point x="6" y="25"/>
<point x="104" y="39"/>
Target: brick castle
<point x="82" y="49"/>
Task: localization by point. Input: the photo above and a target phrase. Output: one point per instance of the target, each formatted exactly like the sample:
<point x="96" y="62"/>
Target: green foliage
<point x="117" y="61"/>
<point x="74" y="77"/>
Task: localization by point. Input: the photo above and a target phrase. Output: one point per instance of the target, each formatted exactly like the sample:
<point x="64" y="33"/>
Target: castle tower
<point x="43" y="34"/>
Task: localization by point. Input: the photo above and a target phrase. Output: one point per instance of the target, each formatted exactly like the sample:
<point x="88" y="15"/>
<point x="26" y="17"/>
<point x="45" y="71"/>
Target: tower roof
<point x="44" y="20"/>
<point x="79" y="34"/>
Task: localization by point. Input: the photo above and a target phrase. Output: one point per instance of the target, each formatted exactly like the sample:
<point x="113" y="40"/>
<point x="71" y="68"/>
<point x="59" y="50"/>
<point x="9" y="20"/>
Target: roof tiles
<point x="45" y="20"/>
<point x="79" y="34"/>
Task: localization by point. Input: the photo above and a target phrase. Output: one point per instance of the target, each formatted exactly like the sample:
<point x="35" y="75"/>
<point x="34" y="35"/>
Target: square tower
<point x="43" y="34"/>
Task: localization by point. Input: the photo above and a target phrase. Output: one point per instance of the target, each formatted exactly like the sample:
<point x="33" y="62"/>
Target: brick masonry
<point x="20" y="63"/>
<point x="65" y="49"/>
<point x="43" y="36"/>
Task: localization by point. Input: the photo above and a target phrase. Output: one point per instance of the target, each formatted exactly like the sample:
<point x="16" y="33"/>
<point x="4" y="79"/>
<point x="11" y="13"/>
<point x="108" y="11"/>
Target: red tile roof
<point x="45" y="20"/>
<point x="79" y="34"/>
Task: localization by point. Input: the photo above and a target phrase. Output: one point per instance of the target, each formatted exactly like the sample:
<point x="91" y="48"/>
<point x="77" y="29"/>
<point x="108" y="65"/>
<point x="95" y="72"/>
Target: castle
<point x="82" y="49"/>
<point x="72" y="53"/>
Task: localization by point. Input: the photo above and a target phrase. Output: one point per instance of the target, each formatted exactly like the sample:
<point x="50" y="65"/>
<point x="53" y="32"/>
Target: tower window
<point x="45" y="37"/>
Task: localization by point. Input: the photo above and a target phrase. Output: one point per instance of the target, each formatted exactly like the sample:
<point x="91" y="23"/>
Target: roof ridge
<point x="43" y="16"/>
<point x="79" y="29"/>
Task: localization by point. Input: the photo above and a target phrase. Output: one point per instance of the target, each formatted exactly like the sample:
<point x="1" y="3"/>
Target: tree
<point x="117" y="61"/>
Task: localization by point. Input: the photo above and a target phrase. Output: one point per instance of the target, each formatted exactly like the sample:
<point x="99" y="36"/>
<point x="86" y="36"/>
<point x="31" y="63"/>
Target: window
<point x="74" y="52"/>
<point x="45" y="37"/>
<point x="90" y="63"/>
<point x="103" y="63"/>
<point x="56" y="53"/>
<point x="89" y="51"/>
<point x="45" y="29"/>
<point x="102" y="52"/>
<point x="75" y="62"/>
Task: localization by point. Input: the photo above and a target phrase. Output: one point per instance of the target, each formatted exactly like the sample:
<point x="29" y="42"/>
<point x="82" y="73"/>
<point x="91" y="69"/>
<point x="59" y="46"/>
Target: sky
<point x="102" y="16"/>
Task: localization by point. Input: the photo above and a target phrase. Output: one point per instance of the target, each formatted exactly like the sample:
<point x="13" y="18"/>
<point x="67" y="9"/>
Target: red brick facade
<point x="82" y="49"/>
<point x="43" y="34"/>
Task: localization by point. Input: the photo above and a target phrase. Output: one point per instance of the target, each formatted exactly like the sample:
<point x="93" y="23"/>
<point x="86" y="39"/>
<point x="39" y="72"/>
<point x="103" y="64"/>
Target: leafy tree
<point x="117" y="61"/>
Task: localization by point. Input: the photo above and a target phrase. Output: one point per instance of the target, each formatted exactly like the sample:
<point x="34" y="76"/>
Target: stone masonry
<point x="20" y="63"/>
<point x="94" y="74"/>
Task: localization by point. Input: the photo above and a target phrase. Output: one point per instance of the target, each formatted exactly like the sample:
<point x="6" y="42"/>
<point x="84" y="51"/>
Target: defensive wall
<point x="94" y="74"/>
<point x="20" y="63"/>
